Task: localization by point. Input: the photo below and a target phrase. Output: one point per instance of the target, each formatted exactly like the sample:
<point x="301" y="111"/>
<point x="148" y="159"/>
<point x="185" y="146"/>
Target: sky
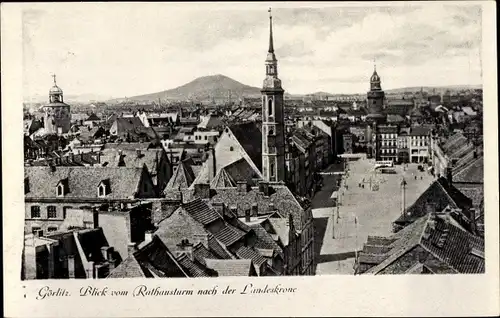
<point x="118" y="50"/>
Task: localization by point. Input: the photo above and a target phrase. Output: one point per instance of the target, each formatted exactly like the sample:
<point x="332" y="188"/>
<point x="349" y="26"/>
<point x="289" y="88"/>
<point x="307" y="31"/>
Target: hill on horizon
<point x="212" y="87"/>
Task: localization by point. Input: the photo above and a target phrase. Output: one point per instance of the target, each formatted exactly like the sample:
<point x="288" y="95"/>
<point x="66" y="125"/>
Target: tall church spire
<point x="273" y="120"/>
<point x="271" y="44"/>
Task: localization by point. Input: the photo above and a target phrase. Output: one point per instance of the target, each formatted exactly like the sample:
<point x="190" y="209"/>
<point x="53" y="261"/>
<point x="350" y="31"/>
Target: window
<point x="60" y="190"/>
<point x="271" y="132"/>
<point x="51" y="212"/>
<point x="35" y="211"/>
<point x="102" y="190"/>
<point x="231" y="148"/>
<point x="65" y="210"/>
<point x="52" y="229"/>
<point x="272" y="169"/>
<point x="37" y="230"/>
<point x="206" y="137"/>
<point x="270" y="106"/>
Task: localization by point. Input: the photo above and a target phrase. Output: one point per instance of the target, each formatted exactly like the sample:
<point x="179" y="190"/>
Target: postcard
<point x="256" y="159"/>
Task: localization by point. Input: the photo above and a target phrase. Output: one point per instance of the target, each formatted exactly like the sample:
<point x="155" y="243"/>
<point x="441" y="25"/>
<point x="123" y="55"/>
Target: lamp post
<point x="403" y="195"/>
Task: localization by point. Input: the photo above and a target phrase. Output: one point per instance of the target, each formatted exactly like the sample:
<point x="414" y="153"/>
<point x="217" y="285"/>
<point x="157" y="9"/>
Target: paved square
<point x="374" y="212"/>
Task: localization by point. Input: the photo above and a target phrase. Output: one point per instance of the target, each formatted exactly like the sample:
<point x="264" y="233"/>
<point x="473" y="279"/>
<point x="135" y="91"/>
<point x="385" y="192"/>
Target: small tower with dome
<point x="375" y="96"/>
<point x="57" y="118"/>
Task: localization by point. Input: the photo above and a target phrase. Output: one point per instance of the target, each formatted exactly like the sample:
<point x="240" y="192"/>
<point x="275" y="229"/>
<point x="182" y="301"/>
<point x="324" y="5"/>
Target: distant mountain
<point x="214" y="87"/>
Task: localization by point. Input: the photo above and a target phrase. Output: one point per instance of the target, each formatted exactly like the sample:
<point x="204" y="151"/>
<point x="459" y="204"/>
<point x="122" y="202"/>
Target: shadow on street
<point x="335" y="257"/>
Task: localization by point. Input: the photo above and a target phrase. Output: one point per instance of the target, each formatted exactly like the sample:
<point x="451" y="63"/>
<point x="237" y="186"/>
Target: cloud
<point x="124" y="50"/>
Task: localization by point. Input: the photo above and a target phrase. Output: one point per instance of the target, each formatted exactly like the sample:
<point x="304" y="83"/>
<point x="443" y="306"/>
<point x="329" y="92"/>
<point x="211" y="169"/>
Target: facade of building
<point x="387" y="142"/>
<point x="420" y="146"/>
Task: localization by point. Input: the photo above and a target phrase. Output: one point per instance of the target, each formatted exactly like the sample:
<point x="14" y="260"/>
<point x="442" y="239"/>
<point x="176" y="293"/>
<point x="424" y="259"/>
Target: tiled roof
<point x="157" y="255"/>
<point x="201" y="212"/>
<point x="241" y="170"/>
<point x="193" y="268"/>
<point x="457" y="251"/>
<point x="444" y="248"/>
<point x="250" y="138"/>
<point x="177" y="226"/>
<point x="131" y="159"/>
<point x="476" y="193"/>
<point x="127" y="145"/>
<point x="83" y="182"/>
<point x="453" y="143"/>
<point x="228" y="235"/>
<point x="471" y="173"/>
<point x="282" y="200"/>
<point x="246" y="252"/>
<point x="182" y="177"/>
<point x="440" y="194"/>
<point x="200" y="253"/>
<point x="218" y="249"/>
<point x="265" y="240"/>
<point x="233" y="267"/>
<point x="129" y="268"/>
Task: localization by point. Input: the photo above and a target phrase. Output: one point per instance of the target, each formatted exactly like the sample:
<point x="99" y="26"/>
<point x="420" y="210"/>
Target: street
<point x="341" y="231"/>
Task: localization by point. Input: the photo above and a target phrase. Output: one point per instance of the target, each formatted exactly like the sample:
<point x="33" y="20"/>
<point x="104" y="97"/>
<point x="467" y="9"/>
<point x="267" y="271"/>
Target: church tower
<point x="273" y="119"/>
<point x="57" y="118"/>
<point x="376" y="95"/>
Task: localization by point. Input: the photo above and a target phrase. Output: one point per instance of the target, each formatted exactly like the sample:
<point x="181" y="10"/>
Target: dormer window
<point x="104" y="188"/>
<point x="62" y="188"/>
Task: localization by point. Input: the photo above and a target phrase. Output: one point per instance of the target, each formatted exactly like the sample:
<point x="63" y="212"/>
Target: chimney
<point x="219" y="207"/>
<point x="271" y="207"/>
<point x="264" y="188"/>
<point x="186" y="247"/>
<point x="91" y="270"/>
<point x="71" y="266"/>
<point x="242" y="186"/>
<point x="234" y="210"/>
<point x="247" y="215"/>
<point x="148" y="236"/>
<point x="105" y="252"/>
<point x="131" y="248"/>
<point x="202" y="190"/>
<point x="255" y="210"/>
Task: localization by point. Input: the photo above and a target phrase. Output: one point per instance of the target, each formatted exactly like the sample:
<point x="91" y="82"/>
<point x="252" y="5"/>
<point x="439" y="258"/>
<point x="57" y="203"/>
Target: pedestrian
<point x="415" y="177"/>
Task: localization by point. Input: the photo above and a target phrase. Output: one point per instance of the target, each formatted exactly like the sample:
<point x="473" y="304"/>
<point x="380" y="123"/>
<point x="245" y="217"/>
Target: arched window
<point x="60" y="190"/>
<point x="270" y="106"/>
<point x="271" y="132"/>
<point x="102" y="190"/>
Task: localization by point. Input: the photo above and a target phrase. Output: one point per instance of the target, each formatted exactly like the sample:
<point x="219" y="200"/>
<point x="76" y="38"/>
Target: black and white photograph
<point x="167" y="141"/>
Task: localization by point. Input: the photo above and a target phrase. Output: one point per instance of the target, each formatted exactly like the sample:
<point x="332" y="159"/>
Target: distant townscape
<point x="216" y="178"/>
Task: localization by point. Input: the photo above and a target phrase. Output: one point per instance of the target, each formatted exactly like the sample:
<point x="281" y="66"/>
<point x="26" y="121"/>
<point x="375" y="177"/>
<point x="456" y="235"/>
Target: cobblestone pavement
<point x="362" y="212"/>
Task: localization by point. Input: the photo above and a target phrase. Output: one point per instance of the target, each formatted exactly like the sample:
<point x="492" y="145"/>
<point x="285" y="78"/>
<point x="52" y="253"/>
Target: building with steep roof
<point x="440" y="194"/>
<point x="155" y="159"/>
<point x="433" y="244"/>
<point x="50" y="191"/>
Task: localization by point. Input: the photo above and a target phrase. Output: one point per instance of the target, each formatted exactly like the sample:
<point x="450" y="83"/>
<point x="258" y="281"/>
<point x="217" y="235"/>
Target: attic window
<point x="60" y="190"/>
<point x="103" y="189"/>
<point x="231" y="148"/>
